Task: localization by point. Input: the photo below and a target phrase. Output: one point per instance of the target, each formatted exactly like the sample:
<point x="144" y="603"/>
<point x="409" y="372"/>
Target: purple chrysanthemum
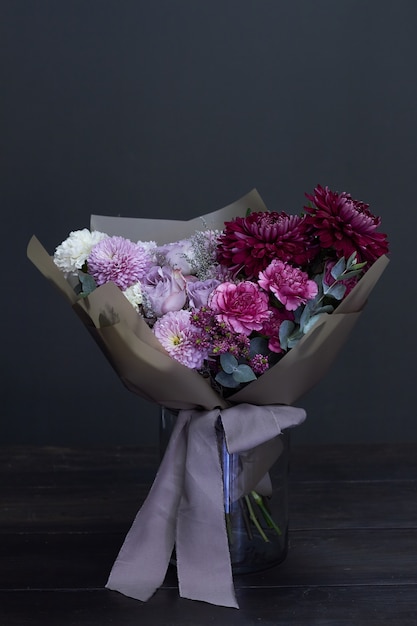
<point x="118" y="260"/>
<point x="180" y="338"/>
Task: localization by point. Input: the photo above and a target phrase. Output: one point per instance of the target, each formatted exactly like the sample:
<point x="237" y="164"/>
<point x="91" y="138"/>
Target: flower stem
<point x="255" y="519"/>
<point x="259" y="501"/>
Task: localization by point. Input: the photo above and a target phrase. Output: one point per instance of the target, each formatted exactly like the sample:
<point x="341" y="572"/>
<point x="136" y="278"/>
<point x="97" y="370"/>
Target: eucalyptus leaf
<point x="358" y="266"/>
<point x="311" y="322"/>
<point x="327" y="308"/>
<point x="305" y="316"/>
<point x="285" y="330"/>
<point x="337" y="291"/>
<point x="258" y="345"/>
<point x="88" y="283"/>
<point x="228" y="362"/>
<point x="294" y="339"/>
<point x="244" y="374"/>
<point x="351" y="260"/>
<point x="338" y="269"/>
<point x="351" y="273"/>
<point x="226" y="380"/>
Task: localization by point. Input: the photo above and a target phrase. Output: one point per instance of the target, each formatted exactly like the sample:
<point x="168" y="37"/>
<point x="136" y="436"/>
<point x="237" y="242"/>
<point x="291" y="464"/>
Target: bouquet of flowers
<point x="241" y="307"/>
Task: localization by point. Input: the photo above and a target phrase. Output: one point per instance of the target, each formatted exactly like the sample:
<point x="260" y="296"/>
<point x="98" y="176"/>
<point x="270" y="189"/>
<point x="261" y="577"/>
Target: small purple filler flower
<point x="289" y="284"/>
<point x="118" y="260"/>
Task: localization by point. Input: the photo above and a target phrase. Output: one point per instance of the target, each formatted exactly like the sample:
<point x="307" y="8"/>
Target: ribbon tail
<point x="203" y="557"/>
<point x="143" y="560"/>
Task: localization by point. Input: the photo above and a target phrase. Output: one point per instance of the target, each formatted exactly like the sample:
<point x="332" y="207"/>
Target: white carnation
<point x="72" y="253"/>
<point x="134" y="295"/>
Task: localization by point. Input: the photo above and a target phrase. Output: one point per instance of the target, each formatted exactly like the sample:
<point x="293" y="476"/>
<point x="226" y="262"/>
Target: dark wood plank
<point x="306" y="606"/>
<point x="91" y="490"/>
<point x="353" y="541"/>
<point x="325" y="463"/>
<point x="368" y="504"/>
<point x="112" y="507"/>
<point x="352" y="462"/>
<point x="84" y="560"/>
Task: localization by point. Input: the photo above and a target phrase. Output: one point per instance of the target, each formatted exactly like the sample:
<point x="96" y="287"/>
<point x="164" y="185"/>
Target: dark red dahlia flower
<point x="249" y="244"/>
<point x="345" y="225"/>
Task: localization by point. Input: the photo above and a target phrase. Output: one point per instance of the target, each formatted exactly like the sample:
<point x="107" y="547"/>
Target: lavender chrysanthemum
<point x="179" y="337"/>
<point x="118" y="260"/>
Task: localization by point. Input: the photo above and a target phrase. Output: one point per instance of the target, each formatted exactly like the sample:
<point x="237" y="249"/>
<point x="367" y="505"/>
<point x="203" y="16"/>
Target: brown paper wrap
<point x="143" y="365"/>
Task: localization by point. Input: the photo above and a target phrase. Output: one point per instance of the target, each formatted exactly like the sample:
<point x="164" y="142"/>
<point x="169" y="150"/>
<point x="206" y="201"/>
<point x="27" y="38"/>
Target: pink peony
<point x="179" y="337"/>
<point x="243" y="307"/>
<point x="346" y="225"/>
<point x="289" y="284"/>
<point x="249" y="244"/>
<point x="118" y="260"/>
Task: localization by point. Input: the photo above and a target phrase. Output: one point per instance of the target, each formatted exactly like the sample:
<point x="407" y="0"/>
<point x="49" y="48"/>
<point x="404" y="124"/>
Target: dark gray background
<point x="177" y="108"/>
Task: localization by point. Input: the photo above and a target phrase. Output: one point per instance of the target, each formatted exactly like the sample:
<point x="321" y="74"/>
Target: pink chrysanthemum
<point x="346" y="225"/>
<point x="118" y="260"/>
<point x="179" y="337"/>
<point x="289" y="284"/>
<point x="249" y="244"/>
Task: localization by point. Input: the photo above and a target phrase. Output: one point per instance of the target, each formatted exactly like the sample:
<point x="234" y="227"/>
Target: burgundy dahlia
<point x="345" y="225"/>
<point x="249" y="244"/>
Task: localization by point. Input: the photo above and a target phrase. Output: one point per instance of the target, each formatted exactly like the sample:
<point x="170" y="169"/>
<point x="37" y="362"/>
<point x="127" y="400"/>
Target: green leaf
<point x="336" y="291"/>
<point x="88" y="283"/>
<point x="244" y="374"/>
<point x="258" y="345"/>
<point x="358" y="266"/>
<point x="285" y="330"/>
<point x="338" y="268"/>
<point x="311" y="322"/>
<point x="351" y="273"/>
<point x="228" y="362"/>
<point x="226" y="380"/>
<point x="351" y="260"/>
<point x="294" y="339"/>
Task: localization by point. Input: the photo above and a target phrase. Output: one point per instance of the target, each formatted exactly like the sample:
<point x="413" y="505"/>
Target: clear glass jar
<point x="256" y="522"/>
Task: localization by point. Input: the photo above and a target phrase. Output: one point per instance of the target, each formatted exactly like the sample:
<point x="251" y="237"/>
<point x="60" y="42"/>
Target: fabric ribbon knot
<point x="185" y="505"/>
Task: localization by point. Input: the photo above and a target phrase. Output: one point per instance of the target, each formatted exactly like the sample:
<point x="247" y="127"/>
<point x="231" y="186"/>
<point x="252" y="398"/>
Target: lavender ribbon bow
<point x="185" y="506"/>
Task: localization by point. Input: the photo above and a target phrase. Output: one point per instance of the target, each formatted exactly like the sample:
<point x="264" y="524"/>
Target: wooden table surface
<point x="353" y="541"/>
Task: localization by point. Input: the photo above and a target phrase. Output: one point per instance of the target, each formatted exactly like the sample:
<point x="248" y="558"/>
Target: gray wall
<point x="175" y="108"/>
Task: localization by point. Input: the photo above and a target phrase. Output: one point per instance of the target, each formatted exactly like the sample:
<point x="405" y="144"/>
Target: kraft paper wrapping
<point x="146" y="369"/>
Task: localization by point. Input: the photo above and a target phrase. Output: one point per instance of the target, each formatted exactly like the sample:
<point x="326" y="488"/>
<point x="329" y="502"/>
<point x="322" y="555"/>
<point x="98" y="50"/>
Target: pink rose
<point x="289" y="284"/>
<point x="243" y="307"/>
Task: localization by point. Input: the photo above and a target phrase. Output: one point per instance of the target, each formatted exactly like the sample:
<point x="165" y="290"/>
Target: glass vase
<point x="257" y="521"/>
